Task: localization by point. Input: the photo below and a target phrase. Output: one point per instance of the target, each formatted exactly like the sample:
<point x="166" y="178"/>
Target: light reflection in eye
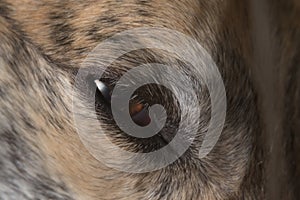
<point x="138" y="111"/>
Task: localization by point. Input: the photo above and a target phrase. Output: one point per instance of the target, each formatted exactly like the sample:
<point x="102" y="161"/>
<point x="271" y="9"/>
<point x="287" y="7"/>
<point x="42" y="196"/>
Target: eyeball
<point x="138" y="111"/>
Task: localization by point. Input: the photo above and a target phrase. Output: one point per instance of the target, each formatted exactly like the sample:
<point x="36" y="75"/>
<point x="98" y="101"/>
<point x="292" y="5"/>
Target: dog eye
<point x="139" y="112"/>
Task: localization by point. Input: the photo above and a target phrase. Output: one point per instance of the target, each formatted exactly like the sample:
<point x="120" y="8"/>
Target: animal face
<point x="60" y="138"/>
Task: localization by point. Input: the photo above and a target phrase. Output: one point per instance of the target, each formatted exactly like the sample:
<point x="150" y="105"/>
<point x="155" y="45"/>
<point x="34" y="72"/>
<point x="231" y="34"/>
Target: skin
<point x="255" y="46"/>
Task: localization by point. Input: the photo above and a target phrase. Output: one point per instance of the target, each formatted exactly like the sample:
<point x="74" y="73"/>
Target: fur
<point x="255" y="44"/>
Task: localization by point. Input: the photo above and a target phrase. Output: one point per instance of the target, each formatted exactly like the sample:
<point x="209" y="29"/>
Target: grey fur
<point x="42" y="46"/>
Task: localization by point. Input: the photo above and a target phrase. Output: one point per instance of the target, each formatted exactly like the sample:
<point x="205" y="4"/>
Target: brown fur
<point x="255" y="47"/>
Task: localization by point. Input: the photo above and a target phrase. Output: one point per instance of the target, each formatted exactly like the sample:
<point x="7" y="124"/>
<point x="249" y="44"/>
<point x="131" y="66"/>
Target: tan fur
<point x="241" y="166"/>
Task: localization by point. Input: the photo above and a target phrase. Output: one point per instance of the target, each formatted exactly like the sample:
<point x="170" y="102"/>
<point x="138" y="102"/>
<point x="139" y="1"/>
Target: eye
<point x="138" y="111"/>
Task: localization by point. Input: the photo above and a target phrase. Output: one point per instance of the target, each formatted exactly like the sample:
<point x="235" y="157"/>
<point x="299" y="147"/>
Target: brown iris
<point x="139" y="113"/>
<point x="135" y="108"/>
